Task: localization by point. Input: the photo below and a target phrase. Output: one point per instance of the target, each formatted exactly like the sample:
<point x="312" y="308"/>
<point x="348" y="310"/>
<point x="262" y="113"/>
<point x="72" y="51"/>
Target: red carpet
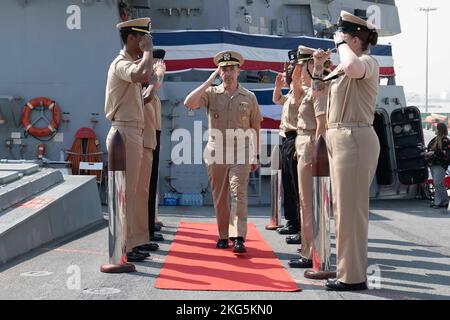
<point x="194" y="263"/>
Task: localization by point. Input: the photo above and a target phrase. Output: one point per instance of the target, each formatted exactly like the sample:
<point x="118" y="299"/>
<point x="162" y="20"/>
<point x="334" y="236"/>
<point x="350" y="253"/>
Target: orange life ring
<point x="50" y="105"/>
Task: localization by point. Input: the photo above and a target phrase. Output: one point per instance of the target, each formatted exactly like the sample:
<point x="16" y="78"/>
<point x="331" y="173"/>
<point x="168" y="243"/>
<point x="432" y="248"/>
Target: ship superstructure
<point x="62" y="50"/>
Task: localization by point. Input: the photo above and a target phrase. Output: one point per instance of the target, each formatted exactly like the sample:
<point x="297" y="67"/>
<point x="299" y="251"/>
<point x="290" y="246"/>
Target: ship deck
<point x="408" y="241"/>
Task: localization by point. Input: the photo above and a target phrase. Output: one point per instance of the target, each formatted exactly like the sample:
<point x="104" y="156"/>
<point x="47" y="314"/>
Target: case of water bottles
<point x="191" y="199"/>
<point x="171" y="199"/>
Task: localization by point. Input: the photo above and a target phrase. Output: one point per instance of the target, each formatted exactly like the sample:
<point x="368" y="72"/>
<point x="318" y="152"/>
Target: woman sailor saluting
<point x="353" y="146"/>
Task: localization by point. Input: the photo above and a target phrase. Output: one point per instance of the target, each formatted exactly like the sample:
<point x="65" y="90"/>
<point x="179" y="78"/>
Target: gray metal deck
<point x="409" y="245"/>
<point x="408" y="241"/>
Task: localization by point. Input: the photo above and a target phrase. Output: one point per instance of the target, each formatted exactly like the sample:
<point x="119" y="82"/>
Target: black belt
<point x="290" y="134"/>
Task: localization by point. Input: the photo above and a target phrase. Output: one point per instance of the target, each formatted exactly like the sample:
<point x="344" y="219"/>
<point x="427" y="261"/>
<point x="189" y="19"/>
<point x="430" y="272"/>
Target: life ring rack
<point x="53" y="125"/>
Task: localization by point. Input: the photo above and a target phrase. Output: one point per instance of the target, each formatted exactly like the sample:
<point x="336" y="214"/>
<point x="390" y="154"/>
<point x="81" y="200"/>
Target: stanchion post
<point x="117" y="208"/>
<point x="322" y="210"/>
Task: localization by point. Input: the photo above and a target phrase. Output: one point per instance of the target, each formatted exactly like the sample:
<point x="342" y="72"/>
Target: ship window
<point x="298" y="20"/>
<point x="388" y="2"/>
<point x="384" y="81"/>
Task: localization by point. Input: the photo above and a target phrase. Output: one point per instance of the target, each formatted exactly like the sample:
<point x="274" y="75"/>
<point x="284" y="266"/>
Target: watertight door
<point x="385" y="173"/>
<point x="408" y="138"/>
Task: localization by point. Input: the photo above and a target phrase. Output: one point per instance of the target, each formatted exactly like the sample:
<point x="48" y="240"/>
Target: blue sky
<point x="409" y="46"/>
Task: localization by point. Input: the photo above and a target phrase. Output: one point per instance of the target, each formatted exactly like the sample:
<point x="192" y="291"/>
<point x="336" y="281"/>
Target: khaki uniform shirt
<point x="310" y="108"/>
<point x="241" y="111"/>
<point x="124" y="101"/>
<point x="149" y="120"/>
<point x="289" y="114"/>
<point x="354" y="100"/>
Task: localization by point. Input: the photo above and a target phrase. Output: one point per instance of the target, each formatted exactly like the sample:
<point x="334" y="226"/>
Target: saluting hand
<point x="320" y="56"/>
<point x="159" y="66"/>
<point x="297" y="73"/>
<point x="214" y="75"/>
<point x="146" y="43"/>
<point x="279" y="81"/>
<point x="338" y="37"/>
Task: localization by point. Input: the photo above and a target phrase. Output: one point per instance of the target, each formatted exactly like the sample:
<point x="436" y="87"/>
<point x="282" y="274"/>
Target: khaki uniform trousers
<point x="136" y="219"/>
<point x="304" y="146"/>
<point x="234" y="178"/>
<point x="353" y="153"/>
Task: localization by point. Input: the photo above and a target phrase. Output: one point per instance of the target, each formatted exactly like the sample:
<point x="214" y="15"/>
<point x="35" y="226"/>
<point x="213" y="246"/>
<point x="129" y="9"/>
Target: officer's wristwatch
<point x="340" y="42"/>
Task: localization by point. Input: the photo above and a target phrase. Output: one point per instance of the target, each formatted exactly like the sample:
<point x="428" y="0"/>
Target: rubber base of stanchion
<point x="319" y="275"/>
<point x="118" y="268"/>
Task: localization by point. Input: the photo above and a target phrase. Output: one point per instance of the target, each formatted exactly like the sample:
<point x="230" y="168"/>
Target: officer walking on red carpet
<point x="230" y="109"/>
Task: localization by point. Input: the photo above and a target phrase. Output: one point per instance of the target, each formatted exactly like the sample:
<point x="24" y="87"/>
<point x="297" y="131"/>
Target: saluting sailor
<point x="310" y="126"/>
<point x="353" y="145"/>
<point x="229" y="107"/>
<point x="155" y="104"/>
<point x="124" y="106"/>
<point x="149" y="167"/>
<point x="288" y="132"/>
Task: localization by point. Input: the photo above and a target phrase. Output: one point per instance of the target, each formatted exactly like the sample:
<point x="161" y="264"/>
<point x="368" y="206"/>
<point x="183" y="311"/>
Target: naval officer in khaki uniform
<point x="230" y="108"/>
<point x="157" y="122"/>
<point x="310" y="125"/>
<point x="288" y="132"/>
<point x="150" y="144"/>
<point x="155" y="104"/>
<point x="353" y="146"/>
<point x="124" y="106"/>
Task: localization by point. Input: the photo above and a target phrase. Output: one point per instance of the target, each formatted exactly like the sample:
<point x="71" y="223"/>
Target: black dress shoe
<point x="144" y="253"/>
<point x="301" y="263"/>
<point x="335" y="285"/>
<point x="157" y="237"/>
<point x="149" y="247"/>
<point x="297" y="239"/>
<point x="238" y="245"/>
<point x="135" y="257"/>
<point x="289" y="228"/>
<point x="157" y="228"/>
<point x="222" y="244"/>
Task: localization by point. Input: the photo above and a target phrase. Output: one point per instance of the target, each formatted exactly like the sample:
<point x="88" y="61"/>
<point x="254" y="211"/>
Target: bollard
<point x="321" y="248"/>
<point x="275" y="186"/>
<point x="117" y="208"/>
